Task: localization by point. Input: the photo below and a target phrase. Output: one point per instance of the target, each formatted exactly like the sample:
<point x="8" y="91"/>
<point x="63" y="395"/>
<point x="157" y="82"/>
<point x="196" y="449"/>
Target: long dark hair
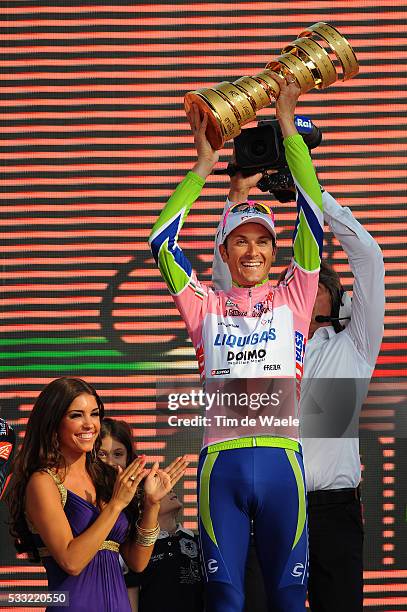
<point x="40" y="450"/>
<point x="120" y="431"/>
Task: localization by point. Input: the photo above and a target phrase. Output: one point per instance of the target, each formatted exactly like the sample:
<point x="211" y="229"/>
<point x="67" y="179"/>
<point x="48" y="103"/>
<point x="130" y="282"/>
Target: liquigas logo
<point x="233" y="340"/>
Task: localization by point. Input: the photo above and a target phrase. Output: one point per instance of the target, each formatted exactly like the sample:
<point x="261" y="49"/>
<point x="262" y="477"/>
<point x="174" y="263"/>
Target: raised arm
<point x="308" y="232"/>
<point x="366" y="262"/>
<point x="174" y="266"/>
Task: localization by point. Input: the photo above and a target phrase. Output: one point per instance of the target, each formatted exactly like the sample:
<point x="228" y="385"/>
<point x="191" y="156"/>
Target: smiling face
<point x="249" y="254"/>
<point x="113" y="452"/>
<point x="80" y="426"/>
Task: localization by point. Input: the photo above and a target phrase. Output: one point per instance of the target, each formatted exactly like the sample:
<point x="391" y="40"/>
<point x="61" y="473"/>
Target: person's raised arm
<point x="176" y="269"/>
<point x="241" y="186"/>
<point x="366" y="262"/>
<point x="207" y="156"/>
<point x="174" y="266"/>
<point x="308" y="233"/>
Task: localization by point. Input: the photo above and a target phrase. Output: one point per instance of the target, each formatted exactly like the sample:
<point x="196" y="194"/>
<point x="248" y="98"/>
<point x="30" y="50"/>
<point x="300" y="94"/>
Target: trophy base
<point x="215" y="131"/>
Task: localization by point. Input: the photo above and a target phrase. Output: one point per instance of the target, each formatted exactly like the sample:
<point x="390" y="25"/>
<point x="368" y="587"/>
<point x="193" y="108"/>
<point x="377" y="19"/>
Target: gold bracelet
<point x="146" y="537"/>
<point x="143" y="529"/>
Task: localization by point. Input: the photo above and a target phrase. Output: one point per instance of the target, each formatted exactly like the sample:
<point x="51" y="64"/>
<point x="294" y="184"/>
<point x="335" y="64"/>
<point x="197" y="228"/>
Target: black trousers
<point x="335" y="582"/>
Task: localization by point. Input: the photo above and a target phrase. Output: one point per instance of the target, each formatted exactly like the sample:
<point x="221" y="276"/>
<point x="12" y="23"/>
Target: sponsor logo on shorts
<point x="212" y="566"/>
<point x="298" y="570"/>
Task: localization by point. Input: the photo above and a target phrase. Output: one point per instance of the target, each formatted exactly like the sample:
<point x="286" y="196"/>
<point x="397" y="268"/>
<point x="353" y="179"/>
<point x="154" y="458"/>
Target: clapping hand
<point x="160" y="482"/>
<point x="127" y="481"/>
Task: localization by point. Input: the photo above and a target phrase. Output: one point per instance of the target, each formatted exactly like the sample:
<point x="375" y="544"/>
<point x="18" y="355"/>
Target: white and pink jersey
<point x="257" y="333"/>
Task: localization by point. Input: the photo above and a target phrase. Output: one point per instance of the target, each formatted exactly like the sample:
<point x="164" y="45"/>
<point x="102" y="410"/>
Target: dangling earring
<point x="56" y="444"/>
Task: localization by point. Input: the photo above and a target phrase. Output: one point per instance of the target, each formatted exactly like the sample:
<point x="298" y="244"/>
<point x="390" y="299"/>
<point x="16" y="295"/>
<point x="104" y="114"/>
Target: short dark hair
<point x="330" y="279"/>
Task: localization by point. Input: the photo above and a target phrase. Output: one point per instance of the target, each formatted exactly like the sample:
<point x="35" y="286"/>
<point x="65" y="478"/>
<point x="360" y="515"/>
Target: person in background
<point x="116" y="443"/>
<point x="346" y="358"/>
<point x="172" y="580"/>
<point x="117" y="449"/>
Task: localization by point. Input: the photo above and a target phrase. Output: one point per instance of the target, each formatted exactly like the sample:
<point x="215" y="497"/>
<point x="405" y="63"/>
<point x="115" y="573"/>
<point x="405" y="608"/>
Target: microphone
<point x="323" y="319"/>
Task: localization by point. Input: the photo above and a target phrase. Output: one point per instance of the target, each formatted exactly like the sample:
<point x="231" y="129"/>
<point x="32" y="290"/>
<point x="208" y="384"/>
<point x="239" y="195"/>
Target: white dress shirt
<point x="334" y="463"/>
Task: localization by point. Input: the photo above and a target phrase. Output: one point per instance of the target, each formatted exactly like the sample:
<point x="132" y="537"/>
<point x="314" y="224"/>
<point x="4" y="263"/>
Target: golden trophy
<point x="229" y="106"/>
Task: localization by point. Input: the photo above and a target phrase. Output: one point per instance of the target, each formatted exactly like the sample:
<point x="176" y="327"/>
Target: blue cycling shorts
<point x="267" y="485"/>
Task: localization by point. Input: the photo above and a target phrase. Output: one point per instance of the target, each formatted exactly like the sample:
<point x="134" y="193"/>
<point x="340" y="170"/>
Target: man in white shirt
<point x="344" y="359"/>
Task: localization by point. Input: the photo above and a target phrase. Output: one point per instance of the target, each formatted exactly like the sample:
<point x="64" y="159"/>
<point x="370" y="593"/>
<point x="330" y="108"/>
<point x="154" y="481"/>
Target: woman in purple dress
<point x="73" y="511"/>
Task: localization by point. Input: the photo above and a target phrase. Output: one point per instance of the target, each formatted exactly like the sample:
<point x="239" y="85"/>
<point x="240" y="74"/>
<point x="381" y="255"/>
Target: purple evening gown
<point x="100" y="585"/>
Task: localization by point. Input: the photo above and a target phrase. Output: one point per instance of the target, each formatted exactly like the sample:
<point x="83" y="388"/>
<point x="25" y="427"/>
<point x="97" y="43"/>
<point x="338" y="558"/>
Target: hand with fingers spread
<point x="160" y="482"/>
<point x="127" y="481"/>
<point x="177" y="469"/>
<point x="207" y="156"/>
<point x="156" y="485"/>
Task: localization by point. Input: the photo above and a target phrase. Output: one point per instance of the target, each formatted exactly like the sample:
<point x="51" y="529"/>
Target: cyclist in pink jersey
<point x="253" y="332"/>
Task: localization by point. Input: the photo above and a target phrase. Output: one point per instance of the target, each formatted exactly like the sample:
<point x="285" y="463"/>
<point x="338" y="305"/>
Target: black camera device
<point x="261" y="148"/>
